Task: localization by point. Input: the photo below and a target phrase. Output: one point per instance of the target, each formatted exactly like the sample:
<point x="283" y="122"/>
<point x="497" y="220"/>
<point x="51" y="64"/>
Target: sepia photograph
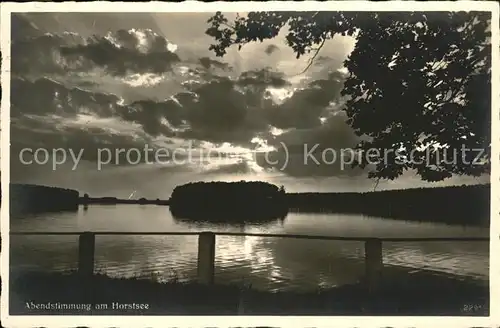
<point x="253" y="160"/>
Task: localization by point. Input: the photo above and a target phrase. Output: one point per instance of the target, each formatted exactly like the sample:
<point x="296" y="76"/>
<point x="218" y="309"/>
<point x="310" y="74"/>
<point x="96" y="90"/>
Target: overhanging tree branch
<point x="380" y="97"/>
<point x="311" y="60"/>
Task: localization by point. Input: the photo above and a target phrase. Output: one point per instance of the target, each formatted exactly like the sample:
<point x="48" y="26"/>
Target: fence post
<point x="206" y="257"/>
<point x="86" y="247"/>
<point x="373" y="263"/>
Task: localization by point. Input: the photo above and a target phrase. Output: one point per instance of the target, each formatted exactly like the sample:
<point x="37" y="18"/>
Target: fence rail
<point x="206" y="249"/>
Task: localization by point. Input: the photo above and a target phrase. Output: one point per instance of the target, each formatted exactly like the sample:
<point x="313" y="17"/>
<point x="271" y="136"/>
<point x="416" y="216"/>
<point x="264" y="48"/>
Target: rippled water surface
<point x="270" y="263"/>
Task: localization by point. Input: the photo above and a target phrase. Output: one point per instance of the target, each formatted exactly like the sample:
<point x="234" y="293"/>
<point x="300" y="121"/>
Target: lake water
<point x="267" y="263"/>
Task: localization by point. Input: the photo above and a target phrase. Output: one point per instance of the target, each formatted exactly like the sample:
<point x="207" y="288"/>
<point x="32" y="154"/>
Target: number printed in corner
<point x="472" y="308"/>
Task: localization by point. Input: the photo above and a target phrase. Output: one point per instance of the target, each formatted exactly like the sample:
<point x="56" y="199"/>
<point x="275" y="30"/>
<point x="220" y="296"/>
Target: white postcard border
<point x="249" y="321"/>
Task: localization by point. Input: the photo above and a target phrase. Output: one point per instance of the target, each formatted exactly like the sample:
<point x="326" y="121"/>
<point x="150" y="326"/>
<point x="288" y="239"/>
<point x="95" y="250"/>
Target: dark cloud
<point x="270" y="49"/>
<point x="216" y="109"/>
<point x="230" y="109"/>
<point x="41" y="55"/>
<point x="306" y="107"/>
<point x="124" y="52"/>
<point x="52" y="134"/>
<point x="219" y="114"/>
<point x="46" y="114"/>
<point x="210" y="103"/>
<point x="22" y="27"/>
<point x="264" y="77"/>
<point x="45" y="96"/>
<point x="315" y="151"/>
<point x="88" y="24"/>
<point x="156" y="118"/>
<point x="120" y="53"/>
<point x="208" y="63"/>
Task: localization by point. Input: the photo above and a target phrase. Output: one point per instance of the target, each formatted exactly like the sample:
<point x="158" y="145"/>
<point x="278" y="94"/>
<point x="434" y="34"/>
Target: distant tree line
<point x="26" y="198"/>
<point x="243" y="200"/>
<point x="466" y="205"/>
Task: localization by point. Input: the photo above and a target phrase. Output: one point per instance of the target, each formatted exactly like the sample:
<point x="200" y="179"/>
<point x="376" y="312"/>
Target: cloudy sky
<point x="90" y="81"/>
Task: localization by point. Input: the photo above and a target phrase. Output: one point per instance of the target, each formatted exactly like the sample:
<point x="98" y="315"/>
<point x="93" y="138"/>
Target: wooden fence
<point x="206" y="249"/>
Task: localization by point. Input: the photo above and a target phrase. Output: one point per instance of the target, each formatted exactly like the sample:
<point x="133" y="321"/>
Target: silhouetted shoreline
<point x="28" y="199"/>
<point x="402" y="294"/>
<point x="453" y="205"/>
<point x="113" y="200"/>
<point x="259" y="201"/>
<point x="231" y="201"/>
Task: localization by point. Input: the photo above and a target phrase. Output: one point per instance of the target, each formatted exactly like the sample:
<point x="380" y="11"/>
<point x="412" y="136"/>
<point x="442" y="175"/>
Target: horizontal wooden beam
<point x="265" y="235"/>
